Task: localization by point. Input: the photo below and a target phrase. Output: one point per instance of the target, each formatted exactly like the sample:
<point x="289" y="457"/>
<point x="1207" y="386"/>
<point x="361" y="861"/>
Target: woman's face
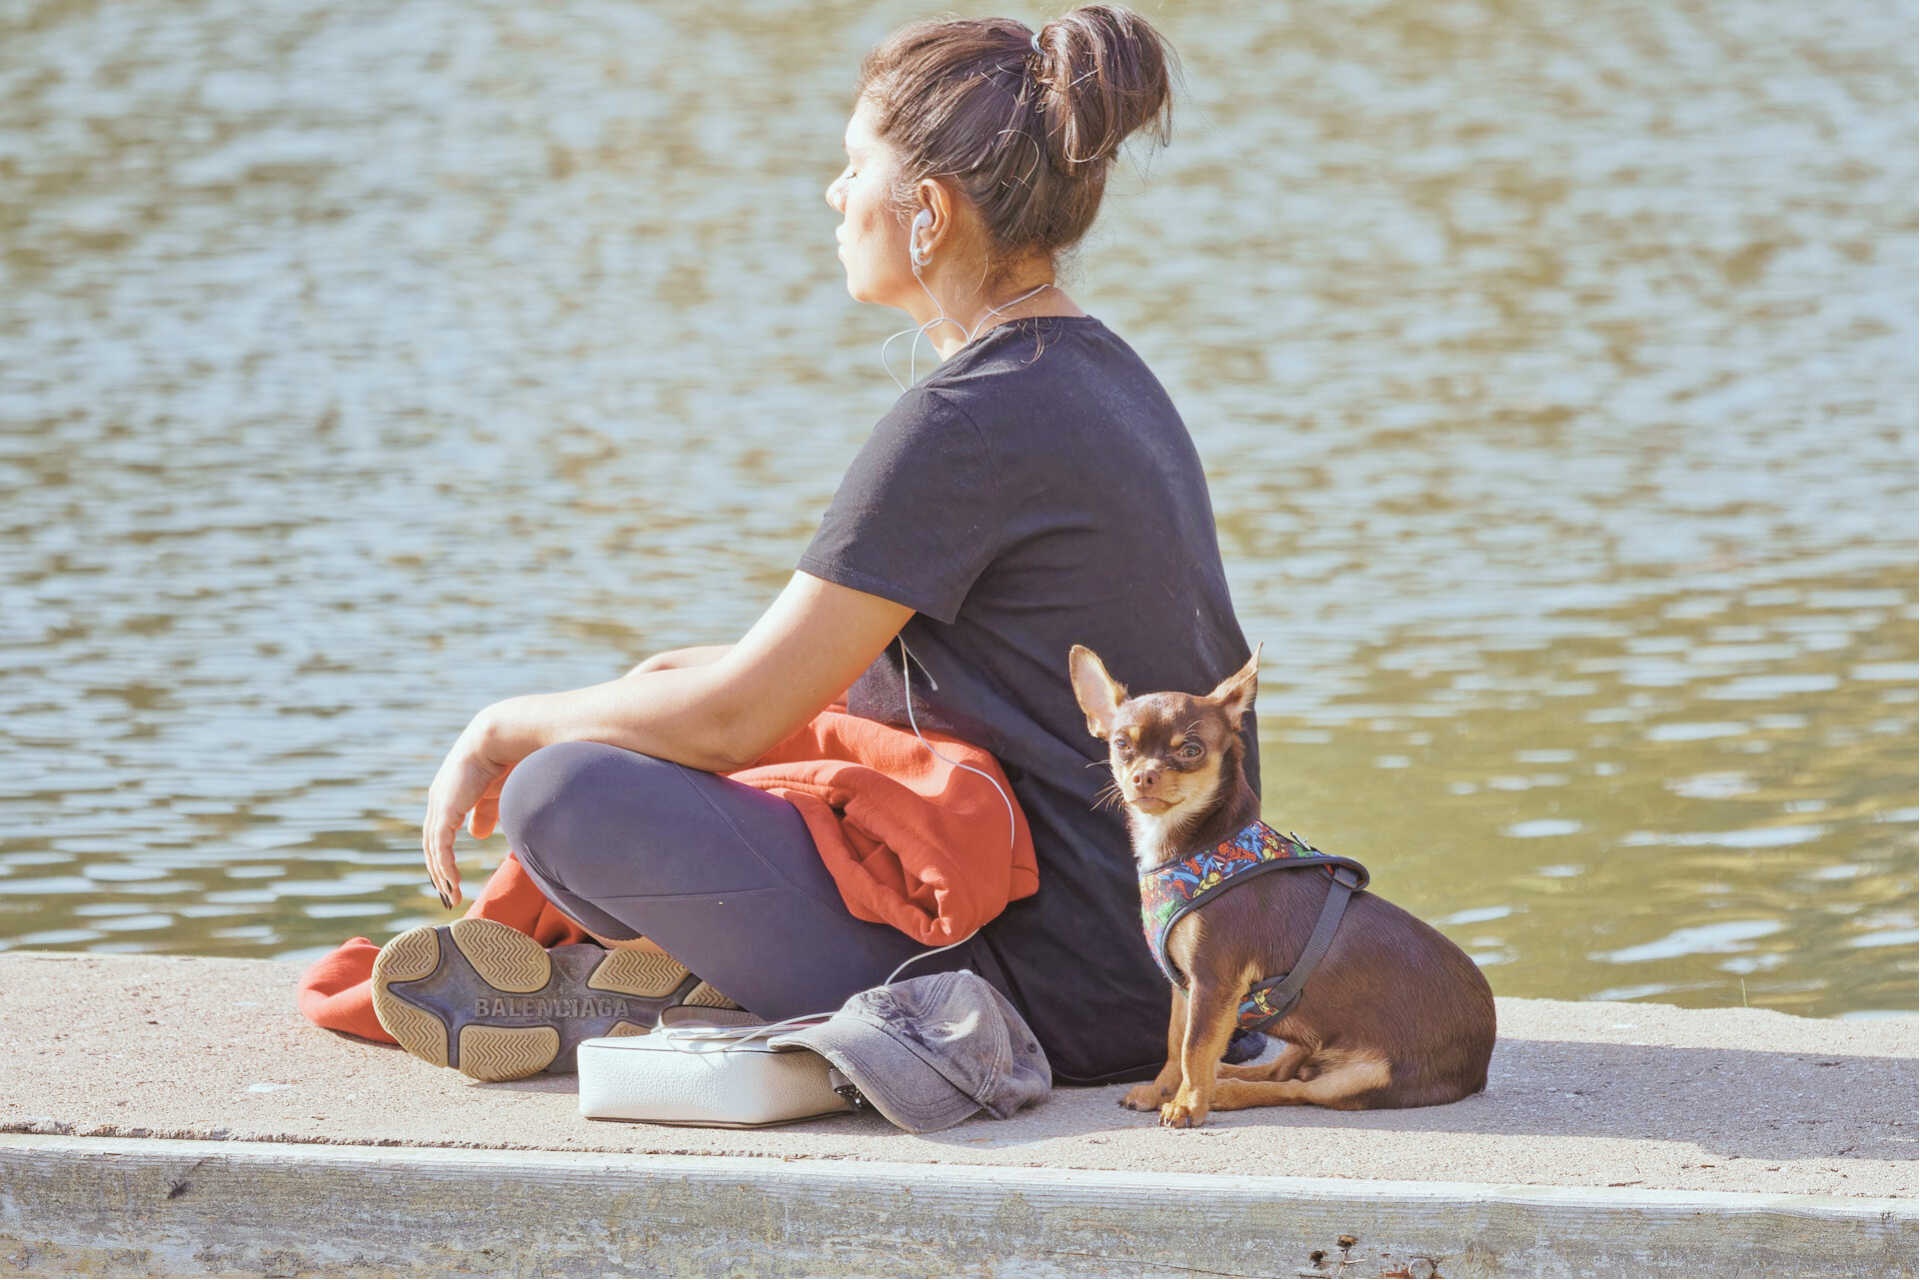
<point x="872" y="232"/>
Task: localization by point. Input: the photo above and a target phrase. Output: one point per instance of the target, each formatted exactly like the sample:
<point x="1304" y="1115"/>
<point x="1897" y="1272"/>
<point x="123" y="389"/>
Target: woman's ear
<point x="932" y="195"/>
<point x="1098" y="693"/>
<point x="1235" y="694"/>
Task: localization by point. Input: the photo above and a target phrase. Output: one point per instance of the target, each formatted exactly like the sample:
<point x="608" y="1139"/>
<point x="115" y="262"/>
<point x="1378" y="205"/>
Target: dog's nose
<point x="1143" y="779"/>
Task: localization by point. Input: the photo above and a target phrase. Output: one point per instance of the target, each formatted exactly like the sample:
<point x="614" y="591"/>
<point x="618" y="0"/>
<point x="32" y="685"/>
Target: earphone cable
<point x="1013" y="823"/>
<point x="913" y="351"/>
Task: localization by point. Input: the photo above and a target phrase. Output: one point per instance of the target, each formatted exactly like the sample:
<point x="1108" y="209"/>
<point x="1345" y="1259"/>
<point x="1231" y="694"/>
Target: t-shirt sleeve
<point x="915" y="518"/>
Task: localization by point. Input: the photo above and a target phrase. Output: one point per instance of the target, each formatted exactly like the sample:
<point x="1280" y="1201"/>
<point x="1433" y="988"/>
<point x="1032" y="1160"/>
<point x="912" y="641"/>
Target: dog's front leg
<point x="1149" y="1097"/>
<point x="1211" y="1010"/>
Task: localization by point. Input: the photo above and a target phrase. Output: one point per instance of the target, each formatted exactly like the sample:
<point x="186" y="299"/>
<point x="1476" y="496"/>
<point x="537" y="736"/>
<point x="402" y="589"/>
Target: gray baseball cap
<point x="929" y="1052"/>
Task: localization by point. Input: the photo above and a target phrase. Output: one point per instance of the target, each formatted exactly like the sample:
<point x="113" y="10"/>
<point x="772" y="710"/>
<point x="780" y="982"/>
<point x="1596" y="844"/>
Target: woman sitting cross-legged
<point x="1037" y="490"/>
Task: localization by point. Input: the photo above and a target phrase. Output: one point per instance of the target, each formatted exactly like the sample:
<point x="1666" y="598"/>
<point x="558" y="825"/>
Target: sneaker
<point x="487" y="1000"/>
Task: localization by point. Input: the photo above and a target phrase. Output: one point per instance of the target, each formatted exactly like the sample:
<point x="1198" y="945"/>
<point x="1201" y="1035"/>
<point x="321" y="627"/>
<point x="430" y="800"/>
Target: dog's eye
<point x="1122" y="746"/>
<point x="1192" y="751"/>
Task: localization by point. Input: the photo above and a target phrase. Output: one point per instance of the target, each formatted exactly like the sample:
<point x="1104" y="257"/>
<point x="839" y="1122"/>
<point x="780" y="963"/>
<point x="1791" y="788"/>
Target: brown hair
<point x="1028" y="136"/>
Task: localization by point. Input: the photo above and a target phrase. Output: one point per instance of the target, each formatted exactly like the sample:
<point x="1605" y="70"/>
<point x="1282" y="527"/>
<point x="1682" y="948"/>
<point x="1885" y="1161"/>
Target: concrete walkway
<point x="1596" y="1114"/>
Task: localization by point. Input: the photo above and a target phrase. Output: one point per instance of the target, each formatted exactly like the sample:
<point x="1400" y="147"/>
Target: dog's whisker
<point x="1110" y="794"/>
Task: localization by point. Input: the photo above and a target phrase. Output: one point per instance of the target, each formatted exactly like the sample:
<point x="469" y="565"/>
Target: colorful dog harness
<point x="1179" y="885"/>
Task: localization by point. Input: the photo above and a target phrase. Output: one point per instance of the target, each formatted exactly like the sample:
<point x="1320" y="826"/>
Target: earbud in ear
<point x="922" y="219"/>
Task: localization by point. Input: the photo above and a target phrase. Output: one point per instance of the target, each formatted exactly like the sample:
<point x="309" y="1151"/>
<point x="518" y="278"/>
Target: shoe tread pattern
<point x="506" y="1053"/>
<point x="504" y="957"/>
<point x="708" y="997"/>
<point x="410" y="956"/>
<point x="638" y="973"/>
<point x="490" y="1002"/>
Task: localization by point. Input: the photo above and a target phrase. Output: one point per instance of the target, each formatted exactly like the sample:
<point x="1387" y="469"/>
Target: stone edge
<point x="113" y="1206"/>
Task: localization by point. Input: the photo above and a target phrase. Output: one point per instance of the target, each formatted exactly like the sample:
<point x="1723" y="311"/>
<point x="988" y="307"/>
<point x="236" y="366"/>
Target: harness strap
<point x="1272" y="999"/>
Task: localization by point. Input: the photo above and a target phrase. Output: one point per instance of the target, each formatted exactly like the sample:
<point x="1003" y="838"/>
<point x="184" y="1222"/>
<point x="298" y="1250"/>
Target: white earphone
<point x="915" y="254"/>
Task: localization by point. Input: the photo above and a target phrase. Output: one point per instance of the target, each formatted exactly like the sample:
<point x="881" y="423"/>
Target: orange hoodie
<point x="911" y="840"/>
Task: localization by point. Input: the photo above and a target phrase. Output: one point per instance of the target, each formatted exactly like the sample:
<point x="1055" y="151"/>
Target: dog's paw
<point x="1188" y="1114"/>
<point x="1144" y="1097"/>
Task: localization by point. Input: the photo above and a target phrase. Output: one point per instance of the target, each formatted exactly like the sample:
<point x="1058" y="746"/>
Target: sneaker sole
<point x="490" y="1002"/>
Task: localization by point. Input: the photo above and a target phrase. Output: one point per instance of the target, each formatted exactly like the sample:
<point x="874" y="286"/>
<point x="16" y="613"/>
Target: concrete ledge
<point x="93" y="1206"/>
<point x="1594" y="1095"/>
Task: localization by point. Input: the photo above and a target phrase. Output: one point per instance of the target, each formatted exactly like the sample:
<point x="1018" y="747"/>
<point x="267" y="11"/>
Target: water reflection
<point x="1628" y="850"/>
<point x="1555" y="371"/>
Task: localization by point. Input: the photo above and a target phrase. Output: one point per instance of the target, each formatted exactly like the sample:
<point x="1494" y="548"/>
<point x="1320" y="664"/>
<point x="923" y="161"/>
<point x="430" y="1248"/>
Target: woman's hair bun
<point x="1103" y="74"/>
<point x="1026" y="123"/>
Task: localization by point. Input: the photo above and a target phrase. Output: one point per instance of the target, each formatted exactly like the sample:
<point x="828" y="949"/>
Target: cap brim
<point x="901" y="1085"/>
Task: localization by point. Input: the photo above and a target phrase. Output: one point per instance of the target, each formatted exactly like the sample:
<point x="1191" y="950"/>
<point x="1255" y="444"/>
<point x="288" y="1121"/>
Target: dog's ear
<point x="1235" y="694"/>
<point x="1098" y="693"/>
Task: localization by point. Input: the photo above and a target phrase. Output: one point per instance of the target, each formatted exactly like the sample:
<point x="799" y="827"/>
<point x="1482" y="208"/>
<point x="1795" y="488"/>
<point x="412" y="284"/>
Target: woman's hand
<point x="486" y="810"/>
<point x="466" y="790"/>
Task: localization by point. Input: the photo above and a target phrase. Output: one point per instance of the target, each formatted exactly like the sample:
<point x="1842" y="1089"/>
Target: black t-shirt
<point x="1036" y="492"/>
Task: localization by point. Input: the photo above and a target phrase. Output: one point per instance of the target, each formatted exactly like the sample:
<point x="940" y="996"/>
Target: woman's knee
<point x="608" y="823"/>
<point x="559" y="802"/>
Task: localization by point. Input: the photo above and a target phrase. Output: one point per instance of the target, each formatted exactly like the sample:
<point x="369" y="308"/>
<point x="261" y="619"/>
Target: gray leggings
<point x="723" y="876"/>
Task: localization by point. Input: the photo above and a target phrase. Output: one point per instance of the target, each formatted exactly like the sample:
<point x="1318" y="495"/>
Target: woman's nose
<point x="836" y="191"/>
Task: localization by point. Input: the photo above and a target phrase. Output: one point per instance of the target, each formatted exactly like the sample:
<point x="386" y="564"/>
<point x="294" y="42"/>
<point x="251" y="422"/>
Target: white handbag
<point x="713" y="1068"/>
<point x="682" y="1073"/>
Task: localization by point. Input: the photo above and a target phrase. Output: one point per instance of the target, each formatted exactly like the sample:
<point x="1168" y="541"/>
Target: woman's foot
<point x="489" y="1001"/>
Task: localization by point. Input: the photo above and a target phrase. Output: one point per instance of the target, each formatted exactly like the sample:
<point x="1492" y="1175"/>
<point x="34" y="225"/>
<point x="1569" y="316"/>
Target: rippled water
<point x="361" y="364"/>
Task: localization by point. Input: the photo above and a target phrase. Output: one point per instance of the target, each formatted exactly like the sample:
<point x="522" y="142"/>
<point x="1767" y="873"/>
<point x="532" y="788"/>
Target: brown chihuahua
<point x="1392" y="1015"/>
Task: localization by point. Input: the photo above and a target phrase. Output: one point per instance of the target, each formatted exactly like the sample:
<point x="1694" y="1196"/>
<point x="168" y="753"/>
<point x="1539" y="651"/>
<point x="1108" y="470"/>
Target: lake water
<point x="1554" y="370"/>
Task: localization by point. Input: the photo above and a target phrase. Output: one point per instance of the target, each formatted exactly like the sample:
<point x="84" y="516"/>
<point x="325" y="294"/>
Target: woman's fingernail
<point x="446" y="902"/>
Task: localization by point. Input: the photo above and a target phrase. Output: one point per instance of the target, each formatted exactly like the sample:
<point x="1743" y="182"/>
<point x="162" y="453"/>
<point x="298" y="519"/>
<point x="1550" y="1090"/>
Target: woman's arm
<point x="717" y="716"/>
<point x="698" y="655"/>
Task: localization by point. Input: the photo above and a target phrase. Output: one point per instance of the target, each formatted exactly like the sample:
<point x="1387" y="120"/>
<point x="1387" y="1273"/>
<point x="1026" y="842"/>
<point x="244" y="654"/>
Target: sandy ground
<point x="1581" y="1094"/>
